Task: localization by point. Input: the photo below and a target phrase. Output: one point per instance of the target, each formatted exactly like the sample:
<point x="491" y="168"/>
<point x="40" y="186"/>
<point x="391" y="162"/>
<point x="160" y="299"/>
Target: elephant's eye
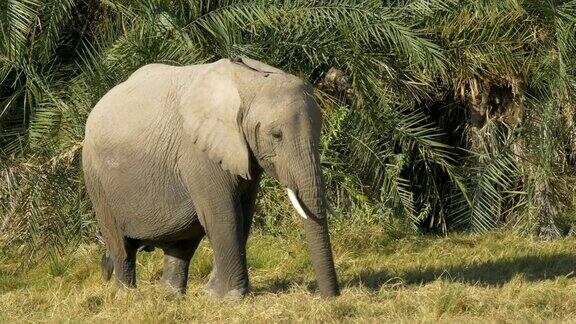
<point x="277" y="134"/>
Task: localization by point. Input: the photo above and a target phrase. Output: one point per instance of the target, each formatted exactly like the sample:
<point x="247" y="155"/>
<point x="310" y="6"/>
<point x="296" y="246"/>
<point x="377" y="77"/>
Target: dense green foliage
<point x="439" y="114"/>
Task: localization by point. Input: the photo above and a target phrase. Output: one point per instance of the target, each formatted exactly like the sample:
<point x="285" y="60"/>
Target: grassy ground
<point x="492" y="278"/>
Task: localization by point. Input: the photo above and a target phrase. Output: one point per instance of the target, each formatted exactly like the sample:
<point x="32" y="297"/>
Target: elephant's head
<point x="270" y="118"/>
<point x="282" y="128"/>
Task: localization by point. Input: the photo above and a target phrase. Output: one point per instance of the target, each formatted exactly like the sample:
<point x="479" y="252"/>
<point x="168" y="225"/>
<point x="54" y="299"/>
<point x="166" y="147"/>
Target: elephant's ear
<point x="257" y="65"/>
<point x="212" y="116"/>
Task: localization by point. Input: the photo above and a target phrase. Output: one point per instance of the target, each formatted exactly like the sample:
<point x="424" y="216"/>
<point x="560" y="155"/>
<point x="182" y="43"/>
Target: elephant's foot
<point x="172" y="288"/>
<point x="216" y="288"/>
<point x="123" y="291"/>
<point x="126" y="273"/>
<point x="175" y="276"/>
<point x="234" y="294"/>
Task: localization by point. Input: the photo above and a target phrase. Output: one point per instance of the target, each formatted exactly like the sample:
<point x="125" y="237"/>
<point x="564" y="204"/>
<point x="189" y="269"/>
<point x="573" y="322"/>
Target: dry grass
<point x="492" y="278"/>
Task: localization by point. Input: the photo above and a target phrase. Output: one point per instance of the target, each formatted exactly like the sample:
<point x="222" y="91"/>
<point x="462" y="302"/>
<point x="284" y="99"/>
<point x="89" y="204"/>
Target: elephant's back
<point x="131" y="107"/>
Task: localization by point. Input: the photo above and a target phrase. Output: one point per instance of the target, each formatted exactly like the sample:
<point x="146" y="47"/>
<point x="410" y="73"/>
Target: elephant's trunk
<point x="321" y="255"/>
<point x="309" y="201"/>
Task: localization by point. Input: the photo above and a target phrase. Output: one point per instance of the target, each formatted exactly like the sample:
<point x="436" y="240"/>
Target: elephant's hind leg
<point x="125" y="264"/>
<point x="107" y="266"/>
<point x="177" y="257"/>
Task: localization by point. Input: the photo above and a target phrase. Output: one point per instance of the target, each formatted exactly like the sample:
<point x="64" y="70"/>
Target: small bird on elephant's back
<point x="176" y="153"/>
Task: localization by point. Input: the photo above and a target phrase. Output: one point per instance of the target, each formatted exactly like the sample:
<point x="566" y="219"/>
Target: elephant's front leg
<point x="247" y="207"/>
<point x="225" y="230"/>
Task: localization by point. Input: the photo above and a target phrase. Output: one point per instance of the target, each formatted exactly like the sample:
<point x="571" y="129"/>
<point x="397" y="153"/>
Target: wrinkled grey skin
<point x="174" y="153"/>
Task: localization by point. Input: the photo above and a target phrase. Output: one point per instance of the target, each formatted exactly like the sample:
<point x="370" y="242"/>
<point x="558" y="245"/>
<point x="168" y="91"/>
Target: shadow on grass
<point x="491" y="273"/>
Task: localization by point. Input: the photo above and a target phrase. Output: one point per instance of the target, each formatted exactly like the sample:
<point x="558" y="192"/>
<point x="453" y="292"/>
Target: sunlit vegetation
<point x="440" y="115"/>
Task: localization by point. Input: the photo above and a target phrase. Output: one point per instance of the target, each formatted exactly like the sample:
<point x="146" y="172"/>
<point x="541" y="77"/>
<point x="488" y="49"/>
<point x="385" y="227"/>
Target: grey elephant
<point x="176" y="153"/>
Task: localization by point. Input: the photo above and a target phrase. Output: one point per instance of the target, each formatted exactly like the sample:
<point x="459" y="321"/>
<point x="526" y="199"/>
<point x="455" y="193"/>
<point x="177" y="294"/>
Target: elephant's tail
<point x="107" y="266"/>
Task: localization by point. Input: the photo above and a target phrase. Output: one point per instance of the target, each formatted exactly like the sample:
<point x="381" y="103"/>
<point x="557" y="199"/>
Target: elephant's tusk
<point x="296" y="203"/>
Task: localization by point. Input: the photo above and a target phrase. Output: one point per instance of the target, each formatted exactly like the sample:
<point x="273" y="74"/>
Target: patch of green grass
<point x="492" y="278"/>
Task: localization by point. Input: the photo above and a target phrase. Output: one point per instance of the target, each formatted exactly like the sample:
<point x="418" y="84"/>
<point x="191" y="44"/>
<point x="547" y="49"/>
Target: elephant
<point x="175" y="153"/>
